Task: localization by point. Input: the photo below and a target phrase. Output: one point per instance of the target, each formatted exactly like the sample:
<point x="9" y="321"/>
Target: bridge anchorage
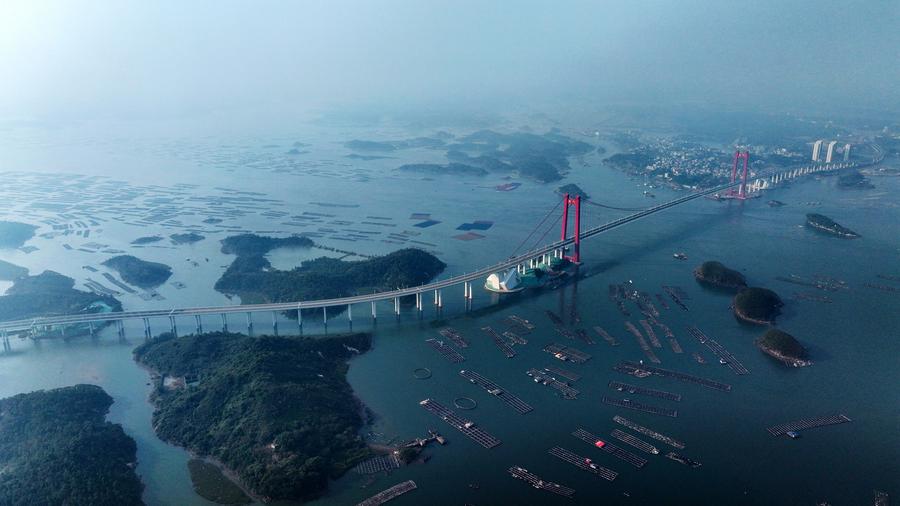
<point x="546" y="266"/>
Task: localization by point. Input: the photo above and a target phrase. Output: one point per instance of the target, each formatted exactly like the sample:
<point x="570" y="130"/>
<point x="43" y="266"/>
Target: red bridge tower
<point x="576" y="201"/>
<point x="742" y="189"/>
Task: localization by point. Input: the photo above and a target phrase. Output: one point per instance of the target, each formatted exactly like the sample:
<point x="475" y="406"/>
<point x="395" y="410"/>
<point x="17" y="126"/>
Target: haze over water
<point x="214" y="95"/>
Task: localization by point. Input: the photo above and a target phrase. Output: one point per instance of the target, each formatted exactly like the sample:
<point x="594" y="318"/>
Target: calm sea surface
<point x="853" y="339"/>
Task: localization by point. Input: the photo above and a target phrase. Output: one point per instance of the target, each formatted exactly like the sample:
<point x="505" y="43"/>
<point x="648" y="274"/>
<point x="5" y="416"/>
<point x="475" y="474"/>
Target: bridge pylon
<point x="741" y="193"/>
<point x="576" y="201"/>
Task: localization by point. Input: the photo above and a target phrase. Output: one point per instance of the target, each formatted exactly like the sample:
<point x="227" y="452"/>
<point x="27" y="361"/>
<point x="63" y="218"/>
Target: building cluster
<point x="830" y="151"/>
<point x="671" y="158"/>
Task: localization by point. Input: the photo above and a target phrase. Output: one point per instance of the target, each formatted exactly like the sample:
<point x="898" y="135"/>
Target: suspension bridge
<point x="737" y="188"/>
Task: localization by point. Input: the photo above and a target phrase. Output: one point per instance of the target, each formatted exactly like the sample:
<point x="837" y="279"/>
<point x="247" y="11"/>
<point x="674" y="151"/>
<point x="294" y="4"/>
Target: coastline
<point x="791" y="361"/>
<point x="715" y="284"/>
<point x="743" y="317"/>
<point x="232" y="475"/>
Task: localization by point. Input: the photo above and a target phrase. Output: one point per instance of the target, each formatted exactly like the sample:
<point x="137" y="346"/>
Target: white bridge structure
<point x="433" y="291"/>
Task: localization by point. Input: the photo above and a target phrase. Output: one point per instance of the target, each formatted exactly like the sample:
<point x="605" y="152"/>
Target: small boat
<point x="793" y="434"/>
<point x="679" y="256"/>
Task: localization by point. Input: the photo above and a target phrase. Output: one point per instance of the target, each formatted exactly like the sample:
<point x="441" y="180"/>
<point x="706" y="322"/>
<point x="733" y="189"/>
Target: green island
<point x="543" y="157"/>
<point x="186" y="238"/>
<point x="11" y="272"/>
<point x="276" y="411"/>
<point x="716" y="274"/>
<point x="784" y="347"/>
<point x="825" y="224"/>
<point x="757" y="305"/>
<point x="139" y="272"/>
<point x="14" y="234"/>
<point x="252" y="278"/>
<point x="57" y="448"/>
<point x="49" y="294"/>
<point x="147" y="240"/>
<point x="252" y="244"/>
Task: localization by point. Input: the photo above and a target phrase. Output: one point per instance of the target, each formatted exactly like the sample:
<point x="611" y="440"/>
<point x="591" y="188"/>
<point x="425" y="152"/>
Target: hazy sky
<point x="117" y="58"/>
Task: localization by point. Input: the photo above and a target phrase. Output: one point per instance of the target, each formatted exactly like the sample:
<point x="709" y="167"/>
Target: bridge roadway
<point x="418" y="291"/>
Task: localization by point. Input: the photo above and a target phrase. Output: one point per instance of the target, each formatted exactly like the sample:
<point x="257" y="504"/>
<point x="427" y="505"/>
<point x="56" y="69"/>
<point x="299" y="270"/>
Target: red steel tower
<point x="576" y="201"/>
<point x="742" y="189"/>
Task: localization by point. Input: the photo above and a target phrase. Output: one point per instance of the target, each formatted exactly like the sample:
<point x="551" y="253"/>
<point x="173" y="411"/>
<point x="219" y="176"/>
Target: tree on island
<point x="784" y="347"/>
<point x="277" y="411"/>
<point x="57" y="448"/>
<point x="757" y="305"/>
<point x="716" y="274"/>
<point x="139" y="272"/>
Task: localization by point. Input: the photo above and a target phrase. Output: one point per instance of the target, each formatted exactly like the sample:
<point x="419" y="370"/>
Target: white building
<point x="503" y="281"/>
<point x="817" y="147"/>
<point x="830" y="151"/>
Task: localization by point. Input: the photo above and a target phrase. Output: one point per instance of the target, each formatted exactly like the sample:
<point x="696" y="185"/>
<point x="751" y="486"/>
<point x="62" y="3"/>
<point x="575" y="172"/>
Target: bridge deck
<point x="25" y="324"/>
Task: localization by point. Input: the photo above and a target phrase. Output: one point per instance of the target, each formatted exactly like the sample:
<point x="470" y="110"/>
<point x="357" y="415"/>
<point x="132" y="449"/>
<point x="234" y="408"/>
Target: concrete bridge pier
<point x="172" y="326"/>
<point x="147" y="334"/>
<point x="300" y="320"/>
<point x="199" y="324"/>
<point x="224" y="322"/>
<point x="6" y="345"/>
<point x="397" y="307"/>
<point x="325" y="318"/>
<point x="91" y="328"/>
<point x="374" y="313"/>
<point x="419" y="303"/>
<point x="274" y="323"/>
<point x="350" y="315"/>
<point x="120" y="328"/>
<point x="249" y="324"/>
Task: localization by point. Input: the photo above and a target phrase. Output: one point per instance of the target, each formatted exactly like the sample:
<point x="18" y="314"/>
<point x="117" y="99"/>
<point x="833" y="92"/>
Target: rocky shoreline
<point x="791" y="361"/>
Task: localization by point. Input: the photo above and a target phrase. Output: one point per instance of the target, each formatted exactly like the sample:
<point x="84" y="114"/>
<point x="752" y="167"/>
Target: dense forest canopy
<point x="139" y="272"/>
<point x="251" y="277"/>
<point x="47" y="294"/>
<point x="57" y="448"/>
<point x="717" y="274"/>
<point x="783" y="343"/>
<point x="759" y="304"/>
<point x="276" y="410"/>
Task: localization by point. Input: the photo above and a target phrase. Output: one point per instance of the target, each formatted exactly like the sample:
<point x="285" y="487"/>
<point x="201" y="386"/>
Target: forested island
<point x="757" y="305"/>
<point x="716" y="274"/>
<point x="252" y="244"/>
<point x="252" y="278"/>
<point x="826" y="224"/>
<point x="277" y="411"/>
<point x="784" y="347"/>
<point x="14" y="234"/>
<point x="186" y="238"/>
<point x="48" y="294"/>
<point x="139" y="272"/>
<point x="150" y="239"/>
<point x="57" y="448"/>
<point x="541" y="157"/>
